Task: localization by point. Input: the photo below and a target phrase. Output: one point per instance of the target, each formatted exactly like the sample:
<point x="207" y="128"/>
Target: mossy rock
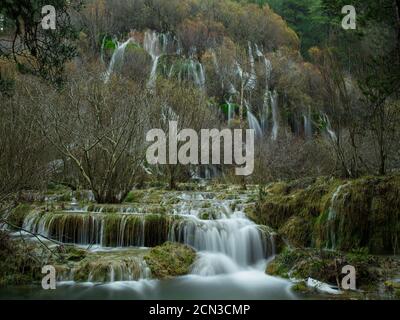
<point x="170" y="260"/>
<point x="326" y="266"/>
<point x="301" y="287"/>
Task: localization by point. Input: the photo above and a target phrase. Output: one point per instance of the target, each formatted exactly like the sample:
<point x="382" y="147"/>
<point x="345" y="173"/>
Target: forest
<point x="78" y="193"/>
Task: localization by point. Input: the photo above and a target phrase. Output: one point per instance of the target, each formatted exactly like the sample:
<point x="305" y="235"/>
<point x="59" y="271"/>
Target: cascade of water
<point x="235" y="237"/>
<point x="332" y="216"/>
<point x="266" y="111"/>
<point x="227" y="241"/>
<point x="230" y="112"/>
<point x="266" y="105"/>
<point x="253" y="122"/>
<point x="267" y="65"/>
<point x="275" y="114"/>
<point x="196" y="72"/>
<point x="328" y="127"/>
<point x="252" y="77"/>
<point x="117" y="58"/>
<point x="152" y="46"/>
<point x="308" y="124"/>
<point x="210" y="264"/>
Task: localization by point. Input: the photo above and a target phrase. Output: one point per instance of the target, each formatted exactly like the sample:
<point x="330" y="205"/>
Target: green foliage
<point x="306" y="17"/>
<point x="372" y="50"/>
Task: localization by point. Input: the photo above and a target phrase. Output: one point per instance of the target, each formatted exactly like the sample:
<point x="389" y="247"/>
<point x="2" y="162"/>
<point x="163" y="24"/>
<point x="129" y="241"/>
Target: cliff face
<point x="336" y="214"/>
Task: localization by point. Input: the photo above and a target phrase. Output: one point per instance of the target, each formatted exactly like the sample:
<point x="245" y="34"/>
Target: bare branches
<point x="99" y="127"/>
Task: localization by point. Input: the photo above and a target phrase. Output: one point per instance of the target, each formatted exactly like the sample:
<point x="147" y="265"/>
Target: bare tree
<point x="188" y="106"/>
<point x="22" y="160"/>
<point x="99" y="128"/>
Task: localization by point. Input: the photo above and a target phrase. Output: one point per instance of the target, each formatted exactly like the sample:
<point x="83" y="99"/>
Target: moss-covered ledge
<point x="333" y="213"/>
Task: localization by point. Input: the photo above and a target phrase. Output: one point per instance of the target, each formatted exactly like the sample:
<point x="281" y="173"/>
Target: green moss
<point x="393" y="288"/>
<point x="170" y="260"/>
<point x="131" y="197"/>
<point x="152" y="196"/>
<point x="361" y="214"/>
<point x="300" y="287"/>
<point x="297" y="231"/>
<point x="392" y="285"/>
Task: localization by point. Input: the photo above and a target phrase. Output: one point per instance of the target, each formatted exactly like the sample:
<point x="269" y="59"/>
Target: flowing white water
<point x="252" y="77"/>
<point x="308" y="125"/>
<point x="254" y="124"/>
<point x="232" y="251"/>
<point x="152" y="46"/>
<point x="196" y="72"/>
<point x="275" y="115"/>
<point x="328" y="128"/>
<point x="332" y="216"/>
<point x="117" y="58"/>
<point x="231" y="113"/>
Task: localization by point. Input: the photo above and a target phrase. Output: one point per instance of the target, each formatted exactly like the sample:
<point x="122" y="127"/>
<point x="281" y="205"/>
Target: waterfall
<point x="117" y="58"/>
<point x="331" y="230"/>
<point x="231" y="251"/>
<point x="267" y="65"/>
<point x="153" y="73"/>
<point x="252" y="77"/>
<point x="196" y="72"/>
<point x="265" y="112"/>
<point x="213" y="264"/>
<point x="235" y="237"/>
<point x="253" y="122"/>
<point x="308" y="125"/>
<point x="275" y="115"/>
<point x="328" y="127"/>
<point x="231" y="112"/>
<point x="225" y="235"/>
<point x="152" y="46"/>
<point x="266" y="104"/>
<point x="224" y="231"/>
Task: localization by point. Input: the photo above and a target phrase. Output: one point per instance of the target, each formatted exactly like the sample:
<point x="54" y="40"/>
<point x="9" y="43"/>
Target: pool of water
<point x="242" y="285"/>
